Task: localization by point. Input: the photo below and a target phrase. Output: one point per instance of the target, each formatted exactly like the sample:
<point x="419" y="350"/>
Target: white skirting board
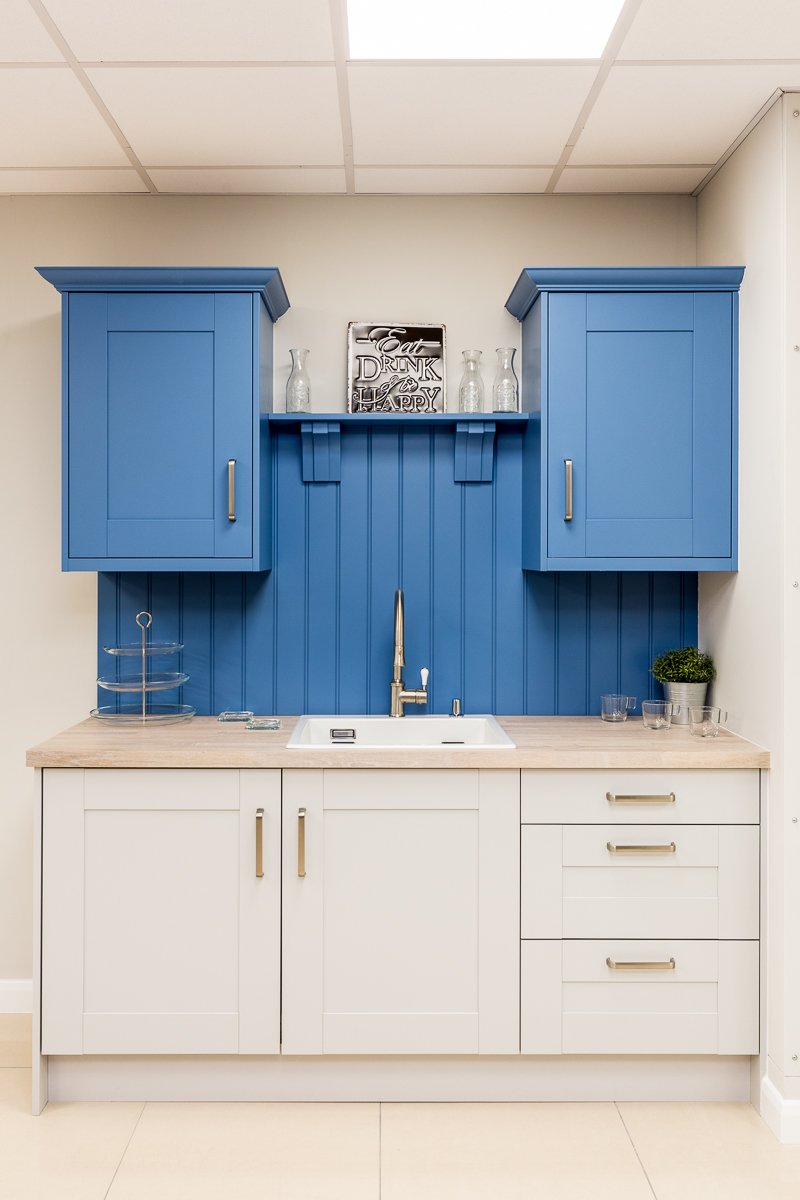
<point x="16" y="995"/>
<point x="781" y="1115"/>
<point x="562" y="1078"/>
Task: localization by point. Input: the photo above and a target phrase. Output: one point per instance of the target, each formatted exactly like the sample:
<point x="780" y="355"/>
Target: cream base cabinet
<point x="160" y="912"/>
<point x="401" y="912"/>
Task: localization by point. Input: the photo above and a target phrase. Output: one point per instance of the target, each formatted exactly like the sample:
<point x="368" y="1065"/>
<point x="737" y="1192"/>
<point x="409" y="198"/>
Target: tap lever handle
<point x="424" y="673"/>
<point x="456" y="709"/>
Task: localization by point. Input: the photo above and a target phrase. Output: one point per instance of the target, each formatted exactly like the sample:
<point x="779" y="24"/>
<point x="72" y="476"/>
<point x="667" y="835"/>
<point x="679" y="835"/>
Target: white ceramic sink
<point x="388" y="733"/>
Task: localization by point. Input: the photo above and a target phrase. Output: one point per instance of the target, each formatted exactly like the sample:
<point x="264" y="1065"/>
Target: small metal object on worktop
<point x="232" y="715"/>
<point x="272" y="723"/>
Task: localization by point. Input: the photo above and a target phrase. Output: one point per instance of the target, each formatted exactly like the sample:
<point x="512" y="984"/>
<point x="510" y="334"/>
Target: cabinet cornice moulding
<point x="265" y="280"/>
<point x="534" y="280"/>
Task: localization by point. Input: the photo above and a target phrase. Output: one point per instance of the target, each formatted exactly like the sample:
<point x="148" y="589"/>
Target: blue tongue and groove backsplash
<point x="315" y="634"/>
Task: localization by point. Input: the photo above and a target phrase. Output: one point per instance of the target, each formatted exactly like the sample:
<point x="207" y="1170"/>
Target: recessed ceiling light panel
<point x="494" y="29"/>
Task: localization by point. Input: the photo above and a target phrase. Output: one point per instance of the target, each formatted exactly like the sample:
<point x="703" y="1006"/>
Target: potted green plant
<point x="685" y="675"/>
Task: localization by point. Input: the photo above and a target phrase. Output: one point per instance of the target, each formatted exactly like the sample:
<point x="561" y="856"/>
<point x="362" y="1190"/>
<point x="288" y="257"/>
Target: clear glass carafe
<point x="505" y="392"/>
<point x="470" y="390"/>
<point x="298" y="386"/>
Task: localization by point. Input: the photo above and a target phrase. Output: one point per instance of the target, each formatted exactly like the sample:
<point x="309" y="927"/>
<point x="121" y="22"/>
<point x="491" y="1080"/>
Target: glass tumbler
<point x="705" y="721"/>
<point x="657" y="714"/>
<point x="616" y="708"/>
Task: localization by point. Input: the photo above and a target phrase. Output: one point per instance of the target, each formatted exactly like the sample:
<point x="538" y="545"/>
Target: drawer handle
<point x="612" y="798"/>
<point x="231" y="489"/>
<point x="613" y="965"/>
<point x="301" y="843"/>
<point x="259" y="843"/>
<point x="567" y="489"/>
<point x="667" y="848"/>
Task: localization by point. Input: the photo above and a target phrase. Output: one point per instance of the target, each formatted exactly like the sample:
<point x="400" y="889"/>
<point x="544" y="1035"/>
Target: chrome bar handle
<point x="568" y="489"/>
<point x="301" y="843"/>
<point x="612" y="798"/>
<point x="231" y="489"/>
<point x="613" y="965"/>
<point x="668" y="848"/>
<point x="259" y="843"/>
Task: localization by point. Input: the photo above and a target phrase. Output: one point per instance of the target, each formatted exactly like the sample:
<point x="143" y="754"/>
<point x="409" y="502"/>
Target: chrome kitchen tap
<point x="401" y="697"/>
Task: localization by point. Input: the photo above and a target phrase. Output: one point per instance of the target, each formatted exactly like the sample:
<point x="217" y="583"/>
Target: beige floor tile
<point x="252" y="1152"/>
<point x="507" y="1152"/>
<point x="711" y="1152"/>
<point x="70" y="1152"/>
<point x="15" y="1040"/>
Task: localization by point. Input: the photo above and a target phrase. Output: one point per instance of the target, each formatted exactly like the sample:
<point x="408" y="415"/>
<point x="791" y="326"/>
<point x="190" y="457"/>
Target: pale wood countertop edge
<point x="542" y="743"/>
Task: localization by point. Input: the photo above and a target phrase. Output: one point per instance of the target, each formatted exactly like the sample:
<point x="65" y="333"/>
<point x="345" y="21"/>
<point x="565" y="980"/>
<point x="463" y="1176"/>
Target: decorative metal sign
<point x="395" y="368"/>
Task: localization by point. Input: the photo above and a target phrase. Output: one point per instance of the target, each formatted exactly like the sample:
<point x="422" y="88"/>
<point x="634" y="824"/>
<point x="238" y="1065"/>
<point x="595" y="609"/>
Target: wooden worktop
<point x="541" y="743"/>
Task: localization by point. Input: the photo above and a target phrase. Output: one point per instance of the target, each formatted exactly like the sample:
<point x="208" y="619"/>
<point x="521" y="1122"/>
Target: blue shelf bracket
<point x="322" y="453"/>
<point x="474" y="458"/>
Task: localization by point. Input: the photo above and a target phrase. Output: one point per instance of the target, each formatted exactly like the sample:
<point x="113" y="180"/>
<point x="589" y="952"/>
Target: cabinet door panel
<point x="402" y="937"/>
<point x="638" y="398"/>
<point x="169" y="475"/>
<point x="160" y="399"/>
<point x="179" y="946"/>
<point x="639" y="425"/>
<point x="158" y="937"/>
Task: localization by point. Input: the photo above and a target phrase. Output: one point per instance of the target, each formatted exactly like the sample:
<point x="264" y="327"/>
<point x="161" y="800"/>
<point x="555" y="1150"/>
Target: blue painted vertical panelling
<point x="416" y="557"/>
<point x="352" y="666"/>
<point x="385" y="563"/>
<point x="288" y="576"/>
<point x="508" y="660"/>
<point x="447" y="595"/>
<point x="315" y="633"/>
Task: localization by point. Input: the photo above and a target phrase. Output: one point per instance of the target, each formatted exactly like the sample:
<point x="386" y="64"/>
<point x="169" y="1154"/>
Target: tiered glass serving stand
<point x="138" y="687"/>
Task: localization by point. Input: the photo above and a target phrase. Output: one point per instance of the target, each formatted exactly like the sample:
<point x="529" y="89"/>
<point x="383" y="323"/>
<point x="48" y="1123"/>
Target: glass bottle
<point x="470" y="390"/>
<point x="505" y="393"/>
<point x="298" y="386"/>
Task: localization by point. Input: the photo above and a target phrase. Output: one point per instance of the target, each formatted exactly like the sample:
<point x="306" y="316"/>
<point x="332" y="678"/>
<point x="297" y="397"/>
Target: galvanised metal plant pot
<point x="684" y="696"/>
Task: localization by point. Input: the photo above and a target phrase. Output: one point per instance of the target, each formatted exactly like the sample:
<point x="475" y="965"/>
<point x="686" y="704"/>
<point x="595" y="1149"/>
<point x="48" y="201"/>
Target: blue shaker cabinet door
<point x="160" y="399"/>
<point x="639" y="399"/>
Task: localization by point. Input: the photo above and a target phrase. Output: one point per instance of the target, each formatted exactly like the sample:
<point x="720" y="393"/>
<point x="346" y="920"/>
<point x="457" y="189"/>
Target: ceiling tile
<point x="431" y="115"/>
<point x="22" y="36"/>
<point x="226" y="116"/>
<point x="451" y="180"/>
<point x="674" y="114"/>
<point x="255" y="181"/>
<point x="714" y="29"/>
<point x="66" y="181"/>
<point x="675" y="180"/>
<point x="186" y="30"/>
<point x="54" y="122"/>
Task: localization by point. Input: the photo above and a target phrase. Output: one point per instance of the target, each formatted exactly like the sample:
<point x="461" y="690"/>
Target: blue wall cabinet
<point x="630" y="458"/>
<point x="166" y="375"/>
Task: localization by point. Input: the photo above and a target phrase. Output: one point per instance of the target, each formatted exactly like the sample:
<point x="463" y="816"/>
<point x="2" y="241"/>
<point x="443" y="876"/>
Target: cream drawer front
<point x="573" y="886"/>
<point x="640" y="797"/>
<point x="574" y="1002"/>
<point x="591" y="881"/>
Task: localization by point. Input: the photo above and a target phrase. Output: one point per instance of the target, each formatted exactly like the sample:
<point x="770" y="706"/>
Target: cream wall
<point x="430" y="259"/>
<point x="749" y="621"/>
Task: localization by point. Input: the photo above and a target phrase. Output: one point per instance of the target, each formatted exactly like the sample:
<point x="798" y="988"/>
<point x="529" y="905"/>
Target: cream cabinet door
<point x="159" y="934"/>
<point x="400" y="912"/>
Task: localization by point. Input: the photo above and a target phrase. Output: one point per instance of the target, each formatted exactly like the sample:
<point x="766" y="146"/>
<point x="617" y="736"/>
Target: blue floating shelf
<point x="445" y="418"/>
<point x="474" y="435"/>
